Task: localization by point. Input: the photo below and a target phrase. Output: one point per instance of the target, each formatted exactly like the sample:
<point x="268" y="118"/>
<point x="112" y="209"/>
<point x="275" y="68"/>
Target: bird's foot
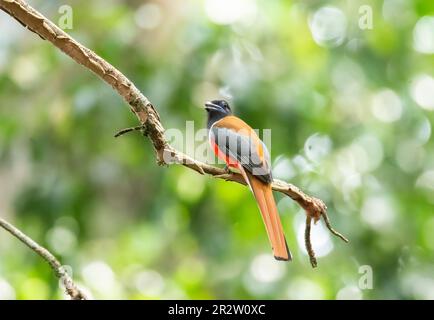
<point x="227" y="173"/>
<point x="227" y="169"/>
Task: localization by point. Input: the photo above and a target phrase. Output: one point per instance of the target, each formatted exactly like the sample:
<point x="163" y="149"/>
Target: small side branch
<point x="71" y="289"/>
<point x="333" y="231"/>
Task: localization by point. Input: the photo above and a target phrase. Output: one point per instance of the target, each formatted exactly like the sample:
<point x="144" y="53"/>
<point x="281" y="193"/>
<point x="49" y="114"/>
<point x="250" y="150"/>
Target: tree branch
<point x="142" y="107"/>
<point x="70" y="288"/>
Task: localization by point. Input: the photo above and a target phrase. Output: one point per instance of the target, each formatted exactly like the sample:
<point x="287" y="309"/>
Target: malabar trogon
<point x="238" y="145"/>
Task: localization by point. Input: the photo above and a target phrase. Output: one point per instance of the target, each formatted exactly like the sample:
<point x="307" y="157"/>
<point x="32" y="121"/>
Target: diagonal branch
<point x="142" y="107"/>
<point x="71" y="289"/>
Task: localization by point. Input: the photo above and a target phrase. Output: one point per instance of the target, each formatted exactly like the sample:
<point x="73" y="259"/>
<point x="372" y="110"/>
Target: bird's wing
<point x="237" y="140"/>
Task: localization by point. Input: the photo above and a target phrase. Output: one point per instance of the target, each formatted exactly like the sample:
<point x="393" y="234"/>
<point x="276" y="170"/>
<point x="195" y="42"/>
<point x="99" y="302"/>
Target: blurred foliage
<point x="351" y="113"/>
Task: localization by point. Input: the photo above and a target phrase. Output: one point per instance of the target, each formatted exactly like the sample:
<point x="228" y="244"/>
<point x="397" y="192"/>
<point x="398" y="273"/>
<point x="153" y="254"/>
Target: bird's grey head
<point x="217" y="109"/>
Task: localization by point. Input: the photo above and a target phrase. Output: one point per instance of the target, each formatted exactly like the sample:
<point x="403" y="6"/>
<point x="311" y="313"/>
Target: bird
<point x="235" y="142"/>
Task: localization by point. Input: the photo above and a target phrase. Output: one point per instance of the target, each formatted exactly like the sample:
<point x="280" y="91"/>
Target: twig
<point x="308" y="242"/>
<point x="126" y="130"/>
<point x="70" y="288"/>
<point x="329" y="226"/>
<point x="139" y="104"/>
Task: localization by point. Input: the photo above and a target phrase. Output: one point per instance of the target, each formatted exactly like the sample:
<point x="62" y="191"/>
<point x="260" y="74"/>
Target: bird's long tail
<point x="264" y="197"/>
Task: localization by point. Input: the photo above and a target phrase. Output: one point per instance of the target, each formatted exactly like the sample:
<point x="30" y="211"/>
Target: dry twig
<point x="70" y="288"/>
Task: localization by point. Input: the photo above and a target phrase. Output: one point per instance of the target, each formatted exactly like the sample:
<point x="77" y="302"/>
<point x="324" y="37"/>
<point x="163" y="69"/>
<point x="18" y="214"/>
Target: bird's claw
<point x="225" y="175"/>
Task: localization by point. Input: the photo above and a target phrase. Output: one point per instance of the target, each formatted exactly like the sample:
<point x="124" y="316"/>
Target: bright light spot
<point x="423" y="35"/>
<point x="226" y="62"/>
<point x="398" y="12"/>
<point x="148" y="16"/>
<point x="283" y="168"/>
<point x="6" y="291"/>
<point x="26" y="70"/>
<point x="302" y="164"/>
<point x="351" y="181"/>
<point x="418" y="285"/>
<point x="344" y="175"/>
<point x="424" y="131"/>
<point x="426" y="180"/>
<point x="305" y="289"/>
<point x="350" y="81"/>
<point x="266" y="269"/>
<point x="422" y="91"/>
<point x="377" y="211"/>
<point x="328" y="26"/>
<point x="409" y="155"/>
<point x="100" y="277"/>
<point x="149" y="283"/>
<point x="367" y="153"/>
<point x="347" y="75"/>
<point x="349" y="293"/>
<point x="317" y="146"/>
<point x="386" y="106"/>
<point x="320" y="237"/>
<point x="230" y="11"/>
<point x="61" y="240"/>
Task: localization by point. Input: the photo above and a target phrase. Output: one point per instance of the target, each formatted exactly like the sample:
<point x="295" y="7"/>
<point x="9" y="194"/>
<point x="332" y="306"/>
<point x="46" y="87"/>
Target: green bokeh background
<point x="350" y="124"/>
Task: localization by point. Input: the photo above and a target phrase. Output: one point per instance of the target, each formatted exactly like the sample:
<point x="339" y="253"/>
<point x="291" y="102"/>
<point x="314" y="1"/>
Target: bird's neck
<point x="213" y="117"/>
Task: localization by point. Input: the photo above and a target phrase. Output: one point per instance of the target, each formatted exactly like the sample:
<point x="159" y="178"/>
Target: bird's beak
<point x="211" y="106"/>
